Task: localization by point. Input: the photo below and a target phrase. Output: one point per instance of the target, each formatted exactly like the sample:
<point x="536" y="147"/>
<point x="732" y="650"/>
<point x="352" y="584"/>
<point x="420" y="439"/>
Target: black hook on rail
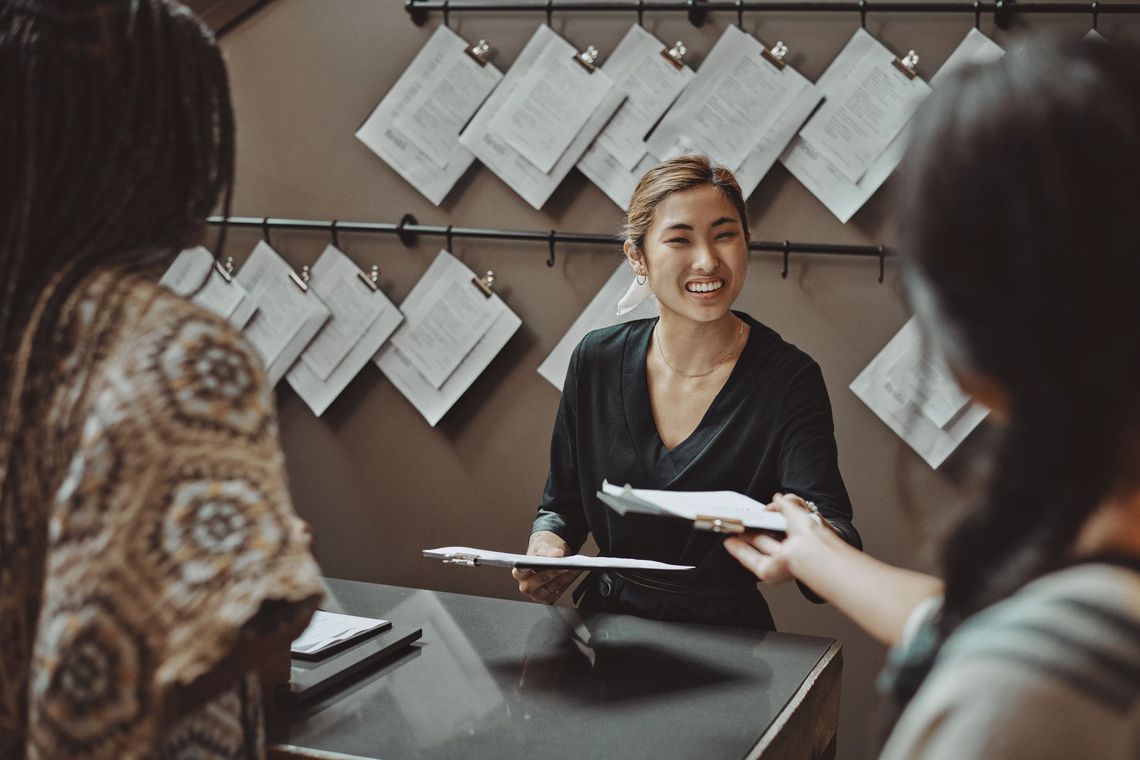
<point x="335" y="236"/>
<point x="265" y="229"/>
<point x="862" y="14"/>
<point x="787" y="253"/>
<point x="1095" y="13"/>
<point x="553" y="237"/>
<point x="977" y="14"/>
<point x="417" y="13"/>
<point x="641" y="12"/>
<point x="447" y="13"/>
<point x="882" y="262"/>
<point x="407" y="237"/>
<point x="549" y="12"/>
<point x="1003" y="13"/>
<point x="696" y="13"/>
<point x="740" y="13"/>
<point x="447" y="237"/>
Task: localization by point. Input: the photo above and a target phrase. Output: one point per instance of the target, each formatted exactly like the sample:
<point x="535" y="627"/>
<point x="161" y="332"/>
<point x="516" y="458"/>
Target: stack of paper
<point x="327" y="629"/>
<point x="194" y="275"/>
<point x="741" y="109"/>
<point x="465" y="555"/>
<point x="452" y="331"/>
<point x="415" y="129"/>
<point x="542" y="117"/>
<point x="362" y="319"/>
<point x="916" y="395"/>
<point x="651" y="79"/>
<point x="707" y="510"/>
<point x="827" y="180"/>
<point x="288" y="315"/>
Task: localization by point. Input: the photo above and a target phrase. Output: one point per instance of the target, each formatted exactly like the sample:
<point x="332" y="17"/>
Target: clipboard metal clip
<point x="906" y="64"/>
<point x="775" y="56"/>
<point x="587" y="58"/>
<point x="225" y="270"/>
<point x="718" y="524"/>
<point x="372" y="280"/>
<point x="302" y="282"/>
<point x="467" y="560"/>
<point x="484" y="283"/>
<point x="479" y="52"/>
<point x="675" y="55"/>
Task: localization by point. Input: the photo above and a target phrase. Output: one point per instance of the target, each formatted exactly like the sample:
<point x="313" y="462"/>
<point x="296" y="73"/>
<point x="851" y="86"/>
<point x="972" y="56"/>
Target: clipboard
<point x="309" y="680"/>
<point x="715" y="511"/>
<point x="469" y="557"/>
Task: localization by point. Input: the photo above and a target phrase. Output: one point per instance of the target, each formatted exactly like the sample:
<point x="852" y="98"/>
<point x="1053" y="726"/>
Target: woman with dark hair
<point x="150" y="561"/>
<point x="1018" y="201"/>
<point x="702" y="399"/>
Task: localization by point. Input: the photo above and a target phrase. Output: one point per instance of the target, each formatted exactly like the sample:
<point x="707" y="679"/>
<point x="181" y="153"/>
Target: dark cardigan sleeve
<point x="561" y="511"/>
<point x="809" y="459"/>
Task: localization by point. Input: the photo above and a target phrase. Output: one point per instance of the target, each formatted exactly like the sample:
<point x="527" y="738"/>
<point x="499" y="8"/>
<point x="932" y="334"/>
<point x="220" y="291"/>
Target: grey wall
<point x="375" y="481"/>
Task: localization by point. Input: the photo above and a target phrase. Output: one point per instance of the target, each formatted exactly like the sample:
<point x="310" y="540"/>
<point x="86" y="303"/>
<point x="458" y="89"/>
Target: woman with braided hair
<point x="1018" y="204"/>
<point x="150" y="560"/>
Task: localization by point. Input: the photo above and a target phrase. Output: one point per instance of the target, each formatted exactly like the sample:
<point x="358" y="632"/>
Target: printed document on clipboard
<point x="716" y="511"/>
<point x="465" y="555"/>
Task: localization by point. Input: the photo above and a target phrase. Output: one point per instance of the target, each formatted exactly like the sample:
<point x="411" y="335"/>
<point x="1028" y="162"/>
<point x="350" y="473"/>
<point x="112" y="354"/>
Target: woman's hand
<point x="775" y="561"/>
<point x="545" y="586"/>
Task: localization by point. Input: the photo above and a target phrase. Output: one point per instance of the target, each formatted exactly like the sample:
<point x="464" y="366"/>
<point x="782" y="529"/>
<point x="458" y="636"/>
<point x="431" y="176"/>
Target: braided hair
<point x="1018" y="205"/>
<point x="117" y="140"/>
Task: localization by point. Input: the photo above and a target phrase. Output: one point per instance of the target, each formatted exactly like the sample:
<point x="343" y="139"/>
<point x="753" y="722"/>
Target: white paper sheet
<point x="690" y="505"/>
<point x="329" y="628"/>
<point x="194" y="276"/>
<point x="443" y="322"/>
<point x="433" y="402"/>
<point x="573" y="562"/>
<point x="928" y="410"/>
<point x="841" y="196"/>
<point x="601" y="312"/>
<point x="531" y="183"/>
<point x="287" y="317"/>
<point x="613" y="179"/>
<point x="354" y="333"/>
<point x="443" y="51"/>
<point x="859" y="121"/>
<point x="435" y="116"/>
<point x="735" y="98"/>
<point x="549" y="106"/>
<point x="651" y="83"/>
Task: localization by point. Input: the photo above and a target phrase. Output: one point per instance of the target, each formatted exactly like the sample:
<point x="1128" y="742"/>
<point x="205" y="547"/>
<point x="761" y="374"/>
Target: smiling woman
<point x="703" y="398"/>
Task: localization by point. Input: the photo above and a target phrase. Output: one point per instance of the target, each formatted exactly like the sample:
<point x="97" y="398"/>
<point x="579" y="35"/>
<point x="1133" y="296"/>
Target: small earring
<point x="642" y="277"/>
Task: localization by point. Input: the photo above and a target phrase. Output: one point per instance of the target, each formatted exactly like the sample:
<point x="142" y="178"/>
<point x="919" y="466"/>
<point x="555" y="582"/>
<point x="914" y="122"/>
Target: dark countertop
<point x="496" y="679"/>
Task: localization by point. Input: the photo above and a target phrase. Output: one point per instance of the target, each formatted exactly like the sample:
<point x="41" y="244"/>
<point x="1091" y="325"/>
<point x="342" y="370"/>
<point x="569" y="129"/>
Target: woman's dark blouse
<point x="769" y="429"/>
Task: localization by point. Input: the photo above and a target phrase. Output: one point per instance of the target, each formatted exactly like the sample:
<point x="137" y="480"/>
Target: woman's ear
<point x="633" y="256"/>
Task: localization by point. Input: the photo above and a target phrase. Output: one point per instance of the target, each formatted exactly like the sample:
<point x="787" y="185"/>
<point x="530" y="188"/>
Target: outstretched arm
<point x="878" y="597"/>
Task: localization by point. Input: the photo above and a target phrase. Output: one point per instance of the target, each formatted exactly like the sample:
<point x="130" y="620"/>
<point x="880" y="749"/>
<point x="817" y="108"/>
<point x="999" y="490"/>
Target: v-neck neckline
<point x="661" y="462"/>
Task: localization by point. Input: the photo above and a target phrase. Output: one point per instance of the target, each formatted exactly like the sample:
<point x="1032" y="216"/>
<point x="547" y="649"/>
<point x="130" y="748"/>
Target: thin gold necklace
<point x="731" y="352"/>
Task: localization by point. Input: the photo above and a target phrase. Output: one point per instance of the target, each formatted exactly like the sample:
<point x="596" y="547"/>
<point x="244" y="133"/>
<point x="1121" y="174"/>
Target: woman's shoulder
<point x="1047" y="671"/>
<point x="612" y="339"/>
<point x="179" y="365"/>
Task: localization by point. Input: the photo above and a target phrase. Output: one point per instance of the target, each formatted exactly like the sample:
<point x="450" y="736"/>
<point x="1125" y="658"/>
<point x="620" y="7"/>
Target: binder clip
<point x="371" y="280"/>
<point x="587" y="58"/>
<point x="775" y="56"/>
<point x="907" y="64"/>
<point x="467" y="560"/>
<point x="484" y="283"/>
<point x="301" y="282"/>
<point x="479" y="52"/>
<point x="675" y="55"/>
<point x="225" y="270"/>
<point x="718" y="524"/>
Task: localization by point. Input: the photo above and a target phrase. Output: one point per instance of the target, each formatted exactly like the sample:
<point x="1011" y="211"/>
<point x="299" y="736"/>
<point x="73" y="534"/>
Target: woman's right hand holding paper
<point x="545" y="586"/>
